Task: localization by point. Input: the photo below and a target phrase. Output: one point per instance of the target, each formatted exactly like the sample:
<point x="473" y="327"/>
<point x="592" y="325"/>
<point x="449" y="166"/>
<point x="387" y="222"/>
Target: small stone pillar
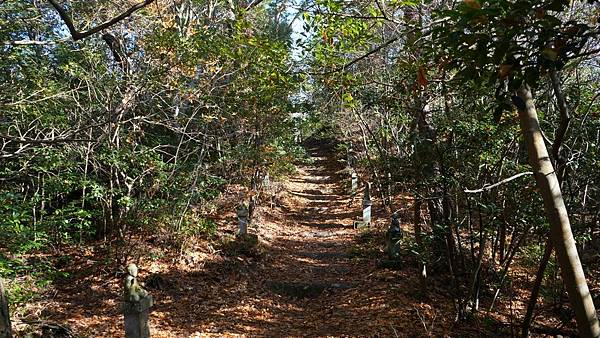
<point x="354" y="183"/>
<point x="393" y="237"/>
<point x="242" y="214"/>
<point x="297" y="135"/>
<point x="136" y="306"/>
<point x="266" y="181"/>
<point x="367" y="203"/>
<point x="351" y="158"/>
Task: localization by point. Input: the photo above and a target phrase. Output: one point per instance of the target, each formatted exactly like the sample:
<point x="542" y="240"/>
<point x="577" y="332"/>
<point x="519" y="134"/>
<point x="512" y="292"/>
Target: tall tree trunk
<point x="556" y="212"/>
<point x="5" y="327"/>
<point x="559" y="163"/>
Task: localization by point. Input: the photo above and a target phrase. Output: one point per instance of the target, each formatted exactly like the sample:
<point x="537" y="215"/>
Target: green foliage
<point x="90" y="152"/>
<point x="96" y="150"/>
<point x="428" y="101"/>
<point x="26" y="277"/>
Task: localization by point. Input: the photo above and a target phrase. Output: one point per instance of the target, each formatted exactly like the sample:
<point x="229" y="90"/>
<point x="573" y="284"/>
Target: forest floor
<point x="311" y="274"/>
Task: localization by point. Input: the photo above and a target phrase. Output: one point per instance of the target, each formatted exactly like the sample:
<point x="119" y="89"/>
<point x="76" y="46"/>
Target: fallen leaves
<point x="317" y="277"/>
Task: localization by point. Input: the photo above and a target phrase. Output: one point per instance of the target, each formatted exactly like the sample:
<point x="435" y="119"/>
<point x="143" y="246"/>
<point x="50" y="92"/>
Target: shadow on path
<point x="306" y="279"/>
<point x="309" y="283"/>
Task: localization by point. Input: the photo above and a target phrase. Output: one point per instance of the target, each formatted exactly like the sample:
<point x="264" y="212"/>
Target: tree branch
<point x="27" y="140"/>
<point x="380" y="47"/>
<point x="490" y="187"/>
<point x="588" y="53"/>
<point x="253" y="4"/>
<point x="364" y="56"/>
<point x="32" y="42"/>
<point x="77" y="35"/>
<point x="563" y="126"/>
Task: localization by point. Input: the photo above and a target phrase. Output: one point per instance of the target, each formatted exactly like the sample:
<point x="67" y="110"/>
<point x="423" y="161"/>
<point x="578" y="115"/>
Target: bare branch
<point x="490" y="187"/>
<point x="563" y="126"/>
<point x="27" y="140"/>
<point x="379" y="47"/>
<point x="77" y="35"/>
<point x="253" y="4"/>
<point x="364" y="56"/>
<point x="32" y="42"/>
<point x="587" y="53"/>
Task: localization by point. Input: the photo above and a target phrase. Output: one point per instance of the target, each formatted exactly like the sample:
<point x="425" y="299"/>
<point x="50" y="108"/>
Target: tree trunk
<point x="559" y="163"/>
<point x="539" y="277"/>
<point x="5" y="327"/>
<point x="419" y="240"/>
<point x="556" y="212"/>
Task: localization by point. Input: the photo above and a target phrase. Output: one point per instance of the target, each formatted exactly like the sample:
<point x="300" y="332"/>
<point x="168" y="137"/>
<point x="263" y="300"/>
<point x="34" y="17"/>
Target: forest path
<point x="318" y="276"/>
<point x="312" y="275"/>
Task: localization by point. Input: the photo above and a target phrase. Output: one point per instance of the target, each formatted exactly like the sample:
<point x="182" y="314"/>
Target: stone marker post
<point x="242" y="214"/>
<point x="367" y="203"/>
<point x="136" y="306"/>
<point x="297" y="135"/>
<point x="393" y="237"/>
<point x="351" y="158"/>
<point x="354" y="183"/>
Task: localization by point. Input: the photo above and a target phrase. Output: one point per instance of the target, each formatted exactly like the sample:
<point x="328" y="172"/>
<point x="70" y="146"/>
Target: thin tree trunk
<point x="556" y="212"/>
<point x="502" y="235"/>
<point x="559" y="162"/>
<point x="5" y="326"/>
<point x="563" y="126"/>
<point x="539" y="276"/>
<point x="419" y="240"/>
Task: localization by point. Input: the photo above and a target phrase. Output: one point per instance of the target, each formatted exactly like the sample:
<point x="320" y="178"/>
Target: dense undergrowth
<point x="142" y="127"/>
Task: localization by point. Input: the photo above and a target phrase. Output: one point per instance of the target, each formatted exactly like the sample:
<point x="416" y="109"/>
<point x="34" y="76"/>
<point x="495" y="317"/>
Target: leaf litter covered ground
<point x="311" y="274"/>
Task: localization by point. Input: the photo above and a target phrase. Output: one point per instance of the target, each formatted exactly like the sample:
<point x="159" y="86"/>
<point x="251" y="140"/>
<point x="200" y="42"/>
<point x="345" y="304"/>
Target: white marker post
<point x="366" y="212"/>
<point x="354" y="183"/>
<point x="367" y="203"/>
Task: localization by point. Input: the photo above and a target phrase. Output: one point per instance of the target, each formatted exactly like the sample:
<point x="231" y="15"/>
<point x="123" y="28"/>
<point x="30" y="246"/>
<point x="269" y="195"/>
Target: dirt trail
<point x="315" y="276"/>
<point x="315" y="238"/>
<point x="314" y="281"/>
<point x="311" y="275"/>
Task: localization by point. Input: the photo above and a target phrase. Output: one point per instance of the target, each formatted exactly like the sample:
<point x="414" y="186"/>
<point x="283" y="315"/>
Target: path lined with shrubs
<point x="311" y="274"/>
<point x="317" y="276"/>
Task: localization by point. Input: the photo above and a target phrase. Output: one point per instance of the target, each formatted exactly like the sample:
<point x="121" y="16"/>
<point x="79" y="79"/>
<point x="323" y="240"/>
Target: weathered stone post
<point x="393" y="237"/>
<point x="297" y="135"/>
<point x="351" y="158"/>
<point x="366" y="211"/>
<point x="136" y="306"/>
<point x="367" y="203"/>
<point x="354" y="182"/>
<point x="242" y="214"/>
<point x="266" y="183"/>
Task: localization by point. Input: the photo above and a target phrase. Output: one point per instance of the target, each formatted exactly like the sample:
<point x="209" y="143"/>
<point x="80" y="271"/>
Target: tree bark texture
<point x="5" y="326"/>
<point x="558" y="217"/>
